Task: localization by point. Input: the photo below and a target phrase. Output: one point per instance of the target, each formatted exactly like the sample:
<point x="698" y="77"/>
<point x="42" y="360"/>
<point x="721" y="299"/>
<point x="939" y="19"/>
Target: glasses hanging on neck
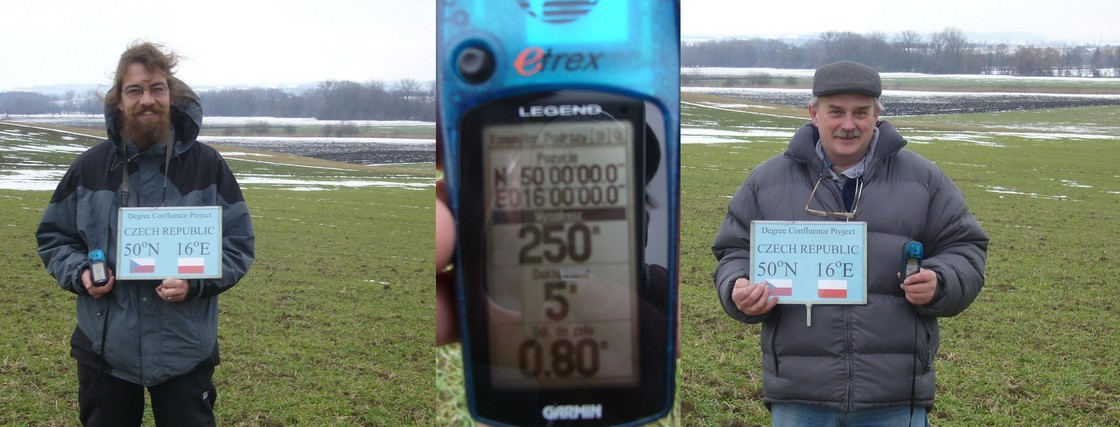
<point x="827" y="214"/>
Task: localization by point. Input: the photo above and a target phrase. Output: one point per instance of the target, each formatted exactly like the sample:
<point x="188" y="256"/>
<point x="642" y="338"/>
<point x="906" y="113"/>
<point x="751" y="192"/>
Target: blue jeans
<point x="797" y="415"/>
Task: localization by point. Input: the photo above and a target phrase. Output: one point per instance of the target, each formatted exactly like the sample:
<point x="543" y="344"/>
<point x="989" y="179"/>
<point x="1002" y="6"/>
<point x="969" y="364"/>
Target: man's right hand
<point x="97" y="291"/>
<point x="754" y="300"/>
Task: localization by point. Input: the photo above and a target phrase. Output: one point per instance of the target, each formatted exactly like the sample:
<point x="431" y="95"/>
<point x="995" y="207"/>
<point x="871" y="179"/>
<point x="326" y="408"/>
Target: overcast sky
<point x="226" y="42"/>
<point x="258" y="43"/>
<point x="1054" y="20"/>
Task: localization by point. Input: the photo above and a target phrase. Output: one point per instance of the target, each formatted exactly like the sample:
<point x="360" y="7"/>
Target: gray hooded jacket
<point x="858" y="356"/>
<point x="145" y="340"/>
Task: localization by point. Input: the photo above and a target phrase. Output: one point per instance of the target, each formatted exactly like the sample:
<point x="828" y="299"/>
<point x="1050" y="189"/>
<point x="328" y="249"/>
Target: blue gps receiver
<point x="560" y="146"/>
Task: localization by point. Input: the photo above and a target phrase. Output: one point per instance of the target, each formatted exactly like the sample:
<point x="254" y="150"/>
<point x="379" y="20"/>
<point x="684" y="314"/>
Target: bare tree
<point x="1097" y="63"/>
<point x="910" y="49"/>
<point x="1037" y="61"/>
<point x="948" y="47"/>
<point x="407" y="88"/>
<point x="1003" y="60"/>
<point x="1114" y="61"/>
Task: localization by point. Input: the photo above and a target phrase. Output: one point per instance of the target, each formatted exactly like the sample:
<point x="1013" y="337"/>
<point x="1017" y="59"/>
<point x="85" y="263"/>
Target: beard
<point x="146" y="133"/>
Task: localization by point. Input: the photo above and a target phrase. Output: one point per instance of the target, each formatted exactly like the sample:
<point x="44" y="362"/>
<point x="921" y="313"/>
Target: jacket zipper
<point x="773" y="347"/>
<point x="848" y="357"/>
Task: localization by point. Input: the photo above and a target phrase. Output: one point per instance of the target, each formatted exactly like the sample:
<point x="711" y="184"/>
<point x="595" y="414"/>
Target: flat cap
<point x="847" y="77"/>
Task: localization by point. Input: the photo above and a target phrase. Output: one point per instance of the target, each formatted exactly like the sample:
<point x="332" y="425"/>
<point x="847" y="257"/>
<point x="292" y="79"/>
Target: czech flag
<point x="192" y="265"/>
<point x="142" y="265"/>
<point x="832" y="289"/>
<point x="780" y="287"/>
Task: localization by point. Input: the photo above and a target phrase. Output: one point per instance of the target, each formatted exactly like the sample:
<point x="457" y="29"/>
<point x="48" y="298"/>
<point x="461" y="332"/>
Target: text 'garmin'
<point x="572" y="412"/>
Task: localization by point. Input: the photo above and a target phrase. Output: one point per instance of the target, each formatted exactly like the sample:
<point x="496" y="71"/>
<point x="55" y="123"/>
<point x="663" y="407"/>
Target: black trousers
<point x="105" y="400"/>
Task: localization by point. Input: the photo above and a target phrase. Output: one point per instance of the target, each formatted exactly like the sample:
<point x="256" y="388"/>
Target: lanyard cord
<point x="124" y="176"/>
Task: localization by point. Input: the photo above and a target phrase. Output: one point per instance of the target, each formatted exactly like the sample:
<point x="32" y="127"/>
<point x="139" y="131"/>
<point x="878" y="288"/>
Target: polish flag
<point x="780" y="287"/>
<point x="832" y="289"/>
<point x="142" y="265"/>
<point x="192" y="265"/>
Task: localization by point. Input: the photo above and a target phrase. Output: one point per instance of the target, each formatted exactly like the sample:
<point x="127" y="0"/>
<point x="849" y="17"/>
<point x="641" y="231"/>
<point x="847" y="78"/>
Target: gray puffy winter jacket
<point x="858" y="356"/>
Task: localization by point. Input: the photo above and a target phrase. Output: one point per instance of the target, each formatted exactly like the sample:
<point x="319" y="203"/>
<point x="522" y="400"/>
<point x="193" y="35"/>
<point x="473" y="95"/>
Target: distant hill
<point x="1011" y="38"/>
<point x="60" y="89"/>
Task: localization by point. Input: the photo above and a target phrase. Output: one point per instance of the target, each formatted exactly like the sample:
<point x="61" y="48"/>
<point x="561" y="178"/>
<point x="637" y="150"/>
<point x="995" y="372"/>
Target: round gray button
<point x="476" y="64"/>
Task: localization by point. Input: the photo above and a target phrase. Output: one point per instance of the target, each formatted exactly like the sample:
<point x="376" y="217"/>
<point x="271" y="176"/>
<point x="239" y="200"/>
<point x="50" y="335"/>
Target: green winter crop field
<point x="333" y="325"/>
<point x="1040" y="344"/>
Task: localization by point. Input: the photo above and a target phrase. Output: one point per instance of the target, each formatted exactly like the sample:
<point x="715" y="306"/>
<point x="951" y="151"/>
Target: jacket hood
<point x="186" y="117"/>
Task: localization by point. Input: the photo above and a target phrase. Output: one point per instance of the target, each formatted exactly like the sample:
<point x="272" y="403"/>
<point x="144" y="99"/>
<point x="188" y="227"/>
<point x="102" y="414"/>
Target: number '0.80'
<point x="564" y="358"/>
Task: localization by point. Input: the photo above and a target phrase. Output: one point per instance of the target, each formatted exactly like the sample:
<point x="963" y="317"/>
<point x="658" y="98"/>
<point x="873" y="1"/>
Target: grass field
<point x="1038" y="347"/>
<point x="1040" y="344"/>
<point x="332" y="325"/>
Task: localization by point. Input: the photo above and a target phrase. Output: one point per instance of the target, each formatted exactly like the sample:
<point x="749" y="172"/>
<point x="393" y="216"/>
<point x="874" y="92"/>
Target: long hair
<point x="153" y="57"/>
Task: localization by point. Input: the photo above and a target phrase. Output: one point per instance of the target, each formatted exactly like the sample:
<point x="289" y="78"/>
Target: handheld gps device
<point x="559" y="138"/>
<point x="911" y="258"/>
<point x="99" y="273"/>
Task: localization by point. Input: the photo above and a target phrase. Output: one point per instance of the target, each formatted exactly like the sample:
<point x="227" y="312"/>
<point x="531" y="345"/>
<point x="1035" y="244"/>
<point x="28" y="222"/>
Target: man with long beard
<point x="159" y="335"/>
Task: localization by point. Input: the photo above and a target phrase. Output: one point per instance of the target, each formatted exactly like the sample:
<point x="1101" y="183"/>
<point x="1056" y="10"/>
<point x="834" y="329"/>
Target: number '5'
<point x="550" y="293"/>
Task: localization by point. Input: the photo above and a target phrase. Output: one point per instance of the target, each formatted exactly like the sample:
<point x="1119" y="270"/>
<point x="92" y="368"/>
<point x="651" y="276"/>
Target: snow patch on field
<point x="718" y="136"/>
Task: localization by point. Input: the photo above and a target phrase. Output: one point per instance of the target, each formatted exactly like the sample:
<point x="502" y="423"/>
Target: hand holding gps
<point x="560" y="140"/>
<point x="911" y="259"/>
<point x="99" y="273"/>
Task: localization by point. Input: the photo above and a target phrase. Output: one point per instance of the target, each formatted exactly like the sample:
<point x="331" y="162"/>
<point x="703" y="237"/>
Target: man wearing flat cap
<point x="854" y="364"/>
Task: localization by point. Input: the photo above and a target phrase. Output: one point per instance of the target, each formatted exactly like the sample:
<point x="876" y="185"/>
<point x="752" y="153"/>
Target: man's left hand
<point x="920" y="287"/>
<point x="173" y="290"/>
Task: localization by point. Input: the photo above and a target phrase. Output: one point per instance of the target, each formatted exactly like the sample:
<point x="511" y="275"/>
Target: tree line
<point x="944" y="52"/>
<point x="330" y="100"/>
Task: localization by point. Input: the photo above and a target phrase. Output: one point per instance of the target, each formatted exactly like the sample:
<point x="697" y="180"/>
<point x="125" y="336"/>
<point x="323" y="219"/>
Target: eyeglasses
<point x="135" y="92"/>
<point x="826" y="214"/>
